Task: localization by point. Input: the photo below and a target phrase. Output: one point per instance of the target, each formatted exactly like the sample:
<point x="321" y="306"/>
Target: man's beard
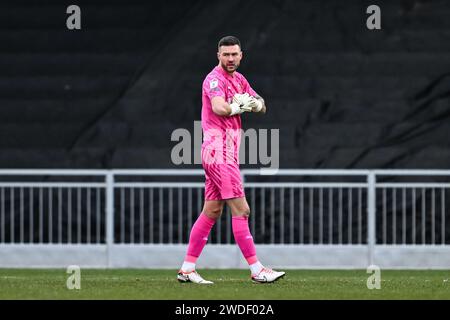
<point x="226" y="67"/>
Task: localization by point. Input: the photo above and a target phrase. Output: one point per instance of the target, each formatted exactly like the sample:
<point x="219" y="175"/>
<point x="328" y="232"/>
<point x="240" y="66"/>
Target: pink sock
<point x="198" y="237"/>
<point x="244" y="239"/>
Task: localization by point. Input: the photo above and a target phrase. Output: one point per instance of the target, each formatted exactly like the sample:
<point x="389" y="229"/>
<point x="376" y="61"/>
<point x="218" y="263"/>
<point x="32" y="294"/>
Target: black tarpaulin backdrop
<point x="110" y="95"/>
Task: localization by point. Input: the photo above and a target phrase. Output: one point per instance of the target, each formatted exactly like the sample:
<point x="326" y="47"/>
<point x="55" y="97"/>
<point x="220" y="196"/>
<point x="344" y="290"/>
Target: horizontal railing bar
<point x="52" y="184"/>
<point x="159" y="184"/>
<point x="75" y="172"/>
<point x="160" y="172"/>
<point x="303" y="185"/>
<point x="201" y="184"/>
<point x="279" y="172"/>
<point x="248" y="184"/>
<point x="412" y="172"/>
<point x="182" y="245"/>
<point x="313" y="172"/>
<point x="401" y="185"/>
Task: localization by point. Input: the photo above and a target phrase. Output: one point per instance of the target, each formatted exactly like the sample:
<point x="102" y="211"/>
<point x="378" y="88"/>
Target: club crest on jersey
<point x="213" y="83"/>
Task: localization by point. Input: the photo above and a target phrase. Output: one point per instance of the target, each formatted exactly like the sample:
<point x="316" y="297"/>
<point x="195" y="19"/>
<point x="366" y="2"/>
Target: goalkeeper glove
<point x="241" y="103"/>
<point x="256" y="105"/>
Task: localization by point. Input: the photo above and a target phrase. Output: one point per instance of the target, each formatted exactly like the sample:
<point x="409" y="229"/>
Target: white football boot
<point x="267" y="275"/>
<point x="192" y="276"/>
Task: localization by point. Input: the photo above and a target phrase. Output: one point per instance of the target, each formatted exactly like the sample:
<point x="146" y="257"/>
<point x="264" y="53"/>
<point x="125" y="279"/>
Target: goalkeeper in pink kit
<point x="225" y="95"/>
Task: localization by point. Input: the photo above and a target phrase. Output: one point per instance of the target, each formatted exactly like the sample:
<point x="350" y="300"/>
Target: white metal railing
<point x="46" y="211"/>
<point x="366" y="208"/>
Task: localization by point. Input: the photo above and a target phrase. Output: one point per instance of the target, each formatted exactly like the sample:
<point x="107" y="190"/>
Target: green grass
<point x="229" y="284"/>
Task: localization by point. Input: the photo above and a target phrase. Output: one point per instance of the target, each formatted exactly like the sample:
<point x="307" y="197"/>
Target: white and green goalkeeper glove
<point x="241" y="103"/>
<point x="256" y="105"/>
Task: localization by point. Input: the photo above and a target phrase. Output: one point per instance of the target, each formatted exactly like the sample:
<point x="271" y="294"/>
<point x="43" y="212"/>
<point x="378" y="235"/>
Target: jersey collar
<point x="226" y="74"/>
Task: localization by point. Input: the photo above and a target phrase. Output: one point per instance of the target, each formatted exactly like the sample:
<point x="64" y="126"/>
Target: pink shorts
<point x="222" y="180"/>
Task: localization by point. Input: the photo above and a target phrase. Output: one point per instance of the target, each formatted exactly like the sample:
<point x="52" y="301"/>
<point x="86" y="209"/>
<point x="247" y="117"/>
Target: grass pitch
<point x="229" y="284"/>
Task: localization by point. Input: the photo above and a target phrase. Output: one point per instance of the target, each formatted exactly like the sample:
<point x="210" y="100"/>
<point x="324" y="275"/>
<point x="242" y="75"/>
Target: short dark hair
<point x="229" y="41"/>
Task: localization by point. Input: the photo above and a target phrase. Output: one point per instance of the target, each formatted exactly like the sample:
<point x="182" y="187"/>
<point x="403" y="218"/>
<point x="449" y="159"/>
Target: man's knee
<point x="244" y="212"/>
<point x="213" y="212"/>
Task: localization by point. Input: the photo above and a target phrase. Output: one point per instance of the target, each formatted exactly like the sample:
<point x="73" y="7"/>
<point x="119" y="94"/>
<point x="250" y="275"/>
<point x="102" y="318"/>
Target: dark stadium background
<point x="110" y="95"/>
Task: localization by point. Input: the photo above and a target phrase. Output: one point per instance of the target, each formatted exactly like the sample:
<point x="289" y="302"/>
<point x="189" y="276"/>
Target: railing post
<point x="371" y="211"/>
<point x="109" y="215"/>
